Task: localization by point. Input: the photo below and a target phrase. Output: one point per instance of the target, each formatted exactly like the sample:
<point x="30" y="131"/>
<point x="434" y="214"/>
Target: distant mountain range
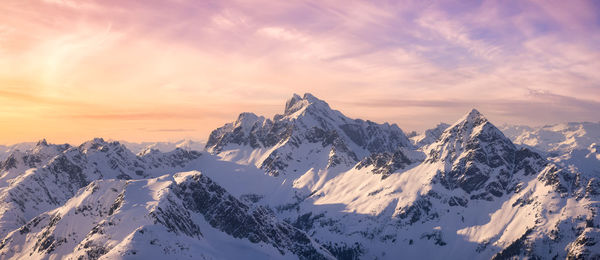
<point x="134" y="147"/>
<point x="184" y="144"/>
<point x="310" y="183"/>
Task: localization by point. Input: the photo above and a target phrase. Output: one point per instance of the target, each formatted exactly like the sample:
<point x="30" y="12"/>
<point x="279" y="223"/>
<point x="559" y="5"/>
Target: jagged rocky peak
<point x="297" y="103"/>
<point x="100" y="145"/>
<point x="43" y="146"/>
<point x="312" y="112"/>
<point x="42" y="142"/>
<point x="306" y="121"/>
<point x="472" y="119"/>
<point x="92" y="144"/>
<point x="309" y="112"/>
<point x="473" y="127"/>
<point x="479" y="159"/>
<point x="291" y="104"/>
<point x="247" y="120"/>
<point x="32" y="157"/>
<point x="148" y="151"/>
<point x="469" y="133"/>
<point x="386" y="163"/>
<point x="187" y="212"/>
<point x="473" y="114"/>
<point x="176" y="158"/>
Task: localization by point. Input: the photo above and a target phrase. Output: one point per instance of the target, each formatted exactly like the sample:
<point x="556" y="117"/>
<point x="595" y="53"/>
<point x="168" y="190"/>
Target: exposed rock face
<point x="555" y="139"/>
<point x="348" y="188"/>
<point x="468" y="164"/>
<point x="480" y="159"/>
<point x="226" y="213"/>
<point x="573" y="146"/>
<point x="385" y="163"/>
<point x="583" y="246"/>
<point x="307" y="127"/>
<point x="107" y="210"/>
<point x="40" y="153"/>
<point x="58" y="172"/>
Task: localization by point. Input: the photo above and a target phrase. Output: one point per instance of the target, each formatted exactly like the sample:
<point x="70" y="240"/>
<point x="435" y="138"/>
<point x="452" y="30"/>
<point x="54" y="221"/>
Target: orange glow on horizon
<point x="128" y="70"/>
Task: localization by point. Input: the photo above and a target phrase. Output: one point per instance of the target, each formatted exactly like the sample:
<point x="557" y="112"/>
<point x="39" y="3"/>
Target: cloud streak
<point x="115" y="61"/>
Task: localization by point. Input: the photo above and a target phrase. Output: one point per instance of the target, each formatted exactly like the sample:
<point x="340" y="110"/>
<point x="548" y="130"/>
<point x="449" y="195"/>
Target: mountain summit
<point x="297" y="103"/>
<point x="308" y="130"/>
<point x="479" y="159"/>
<point x="309" y="183"/>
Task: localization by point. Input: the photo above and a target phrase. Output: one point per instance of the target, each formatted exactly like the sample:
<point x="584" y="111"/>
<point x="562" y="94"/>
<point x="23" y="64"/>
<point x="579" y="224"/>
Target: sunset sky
<point x="72" y="70"/>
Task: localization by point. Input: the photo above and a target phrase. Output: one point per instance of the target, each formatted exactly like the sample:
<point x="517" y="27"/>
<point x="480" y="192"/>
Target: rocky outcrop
<point x="307" y="127"/>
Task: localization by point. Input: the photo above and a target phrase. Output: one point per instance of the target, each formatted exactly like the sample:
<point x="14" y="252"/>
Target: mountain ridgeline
<point x="309" y="183"/>
<point x="306" y="122"/>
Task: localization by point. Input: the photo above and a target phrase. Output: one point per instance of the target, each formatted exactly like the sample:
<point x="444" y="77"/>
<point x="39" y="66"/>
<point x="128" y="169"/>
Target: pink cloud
<point x="235" y="56"/>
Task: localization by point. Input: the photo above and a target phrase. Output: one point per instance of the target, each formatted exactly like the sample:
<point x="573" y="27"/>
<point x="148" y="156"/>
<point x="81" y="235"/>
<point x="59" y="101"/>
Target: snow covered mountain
<point x="47" y="176"/>
<point x="185" y="144"/>
<point x="6" y="150"/>
<point x="429" y="136"/>
<point x="468" y="191"/>
<point x="185" y="215"/>
<point x="309" y="139"/>
<point x="556" y="139"/>
<point x="474" y="195"/>
<point x="573" y="146"/>
<point x="310" y="183"/>
<point x="98" y="199"/>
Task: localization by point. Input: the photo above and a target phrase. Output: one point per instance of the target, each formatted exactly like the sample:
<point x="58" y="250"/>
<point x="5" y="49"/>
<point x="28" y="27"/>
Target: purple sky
<point x="132" y="69"/>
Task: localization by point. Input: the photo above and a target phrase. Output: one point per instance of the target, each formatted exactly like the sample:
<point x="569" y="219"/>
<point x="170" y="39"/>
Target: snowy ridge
<point x="408" y="203"/>
<point x="479" y="159"/>
<point x="559" y="138"/>
<point x="6" y="150"/>
<point x="308" y="139"/>
<point x="573" y="146"/>
<point x="185" y="144"/>
<point x="56" y="173"/>
<point x="158" y="218"/>
<point x="429" y="136"/>
<point x="309" y="183"/>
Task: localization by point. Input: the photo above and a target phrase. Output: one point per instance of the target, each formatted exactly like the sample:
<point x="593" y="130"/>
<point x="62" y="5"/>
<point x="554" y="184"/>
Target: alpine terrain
<point x="310" y="183"/>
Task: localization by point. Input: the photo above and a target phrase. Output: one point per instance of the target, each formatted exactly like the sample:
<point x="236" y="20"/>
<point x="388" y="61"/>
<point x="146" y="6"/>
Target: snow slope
<point x="185" y="144"/>
<point x="573" y="146"/>
<point x="467" y="192"/>
<point x="429" y="136"/>
<point x="6" y="150"/>
<point x="559" y="138"/>
<point x="308" y="135"/>
<point x="309" y="183"/>
<point x="173" y="216"/>
<point x="46" y="176"/>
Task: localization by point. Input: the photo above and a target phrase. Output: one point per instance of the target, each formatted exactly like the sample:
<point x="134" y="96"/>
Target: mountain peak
<point x="97" y="140"/>
<point x="291" y="103"/>
<point x="478" y="158"/>
<point x="307" y="121"/>
<point x="43" y="147"/>
<point x="473" y="118"/>
<point x="474" y="114"/>
<point x="310" y="97"/>
<point x="99" y="144"/>
<point x="474" y="111"/>
<point x="42" y="142"/>
<point x="297" y="103"/>
<point x="247" y="119"/>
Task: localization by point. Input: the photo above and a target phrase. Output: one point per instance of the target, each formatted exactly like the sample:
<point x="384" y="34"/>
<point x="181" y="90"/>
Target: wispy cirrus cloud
<point x="122" y="61"/>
